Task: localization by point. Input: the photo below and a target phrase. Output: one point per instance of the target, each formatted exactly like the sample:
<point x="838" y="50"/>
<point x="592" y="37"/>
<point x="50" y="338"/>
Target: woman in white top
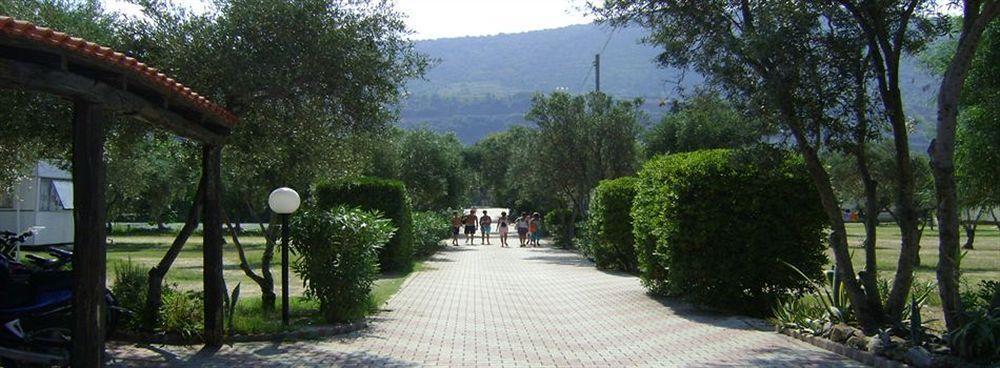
<point x="522" y="228"/>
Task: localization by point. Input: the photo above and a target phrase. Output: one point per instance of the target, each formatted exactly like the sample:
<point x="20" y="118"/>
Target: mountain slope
<point x="484" y="84"/>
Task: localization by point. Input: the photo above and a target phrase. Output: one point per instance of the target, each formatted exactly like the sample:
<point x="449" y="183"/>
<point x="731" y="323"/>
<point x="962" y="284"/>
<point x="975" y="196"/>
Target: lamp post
<point x="283" y="201"/>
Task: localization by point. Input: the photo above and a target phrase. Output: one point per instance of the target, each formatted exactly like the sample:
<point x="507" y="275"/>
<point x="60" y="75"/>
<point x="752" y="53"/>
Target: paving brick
<point x="516" y="307"/>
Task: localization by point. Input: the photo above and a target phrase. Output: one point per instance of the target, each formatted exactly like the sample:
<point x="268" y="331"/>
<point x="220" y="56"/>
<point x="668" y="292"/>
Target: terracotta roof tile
<point x="12" y="28"/>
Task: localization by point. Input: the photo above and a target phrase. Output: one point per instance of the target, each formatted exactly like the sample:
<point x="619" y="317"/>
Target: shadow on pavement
<point x="275" y="354"/>
<point x="784" y="357"/>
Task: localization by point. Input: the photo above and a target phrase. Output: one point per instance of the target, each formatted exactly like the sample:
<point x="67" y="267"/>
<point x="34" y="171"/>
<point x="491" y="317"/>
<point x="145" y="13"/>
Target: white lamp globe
<point x="283" y="201"/>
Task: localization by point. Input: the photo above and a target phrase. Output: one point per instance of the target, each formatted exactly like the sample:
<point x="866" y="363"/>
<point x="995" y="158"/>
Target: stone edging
<point x="858" y="355"/>
<point x="305" y="333"/>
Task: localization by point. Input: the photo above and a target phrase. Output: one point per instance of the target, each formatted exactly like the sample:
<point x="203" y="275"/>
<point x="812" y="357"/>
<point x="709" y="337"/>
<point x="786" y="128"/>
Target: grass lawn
<point x="185" y="274"/>
<point x="981" y="263"/>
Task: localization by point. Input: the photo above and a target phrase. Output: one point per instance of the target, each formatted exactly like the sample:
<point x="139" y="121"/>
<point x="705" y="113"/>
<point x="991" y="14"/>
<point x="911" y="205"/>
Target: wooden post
<point x="212" y="249"/>
<point x="89" y="237"/>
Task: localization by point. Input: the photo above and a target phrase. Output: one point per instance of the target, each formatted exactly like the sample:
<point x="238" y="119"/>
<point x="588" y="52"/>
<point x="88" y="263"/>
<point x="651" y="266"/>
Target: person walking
<point x="503" y="224"/>
<point x="470" y="227"/>
<point x="485" y="227"/>
<point x="456" y="226"/>
<point x="535" y="228"/>
<point x="522" y="228"/>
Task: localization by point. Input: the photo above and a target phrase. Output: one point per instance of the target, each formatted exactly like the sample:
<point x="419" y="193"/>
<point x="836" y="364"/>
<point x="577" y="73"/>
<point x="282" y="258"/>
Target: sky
<point x="430" y="19"/>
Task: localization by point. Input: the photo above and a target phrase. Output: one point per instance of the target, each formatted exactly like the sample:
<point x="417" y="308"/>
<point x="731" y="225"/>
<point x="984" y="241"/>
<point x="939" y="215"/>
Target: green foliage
<point x="978" y="340"/>
<point x="609" y="227"/>
<point x="181" y="313"/>
<point x="385" y="196"/>
<point x="429" y="163"/>
<point x="130" y="287"/>
<point x="500" y="162"/>
<point x="580" y="141"/>
<point x="716" y="227"/>
<point x="704" y="121"/>
<point x="560" y="224"/>
<point x="981" y="296"/>
<point x="804" y="314"/>
<point x="338" y="251"/>
<point x="429" y="228"/>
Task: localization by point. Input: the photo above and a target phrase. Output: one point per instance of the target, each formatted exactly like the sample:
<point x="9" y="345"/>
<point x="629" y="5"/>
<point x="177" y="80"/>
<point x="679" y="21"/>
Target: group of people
<point x="528" y="227"/>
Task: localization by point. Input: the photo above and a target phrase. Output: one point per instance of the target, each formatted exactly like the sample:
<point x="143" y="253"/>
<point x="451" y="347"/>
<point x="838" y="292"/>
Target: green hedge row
<point x="386" y="196"/>
<point x="609" y="228"/>
<point x="717" y="227"/>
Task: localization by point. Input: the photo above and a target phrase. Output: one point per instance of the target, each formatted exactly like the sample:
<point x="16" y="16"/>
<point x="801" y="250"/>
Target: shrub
<point x="338" y="251"/>
<point x="429" y="229"/>
<point x="718" y="226"/>
<point x="609" y="228"/>
<point x="181" y="313"/>
<point x="130" y="287"/>
<point x="385" y="196"/>
<point x="978" y="340"/>
<point x="560" y="225"/>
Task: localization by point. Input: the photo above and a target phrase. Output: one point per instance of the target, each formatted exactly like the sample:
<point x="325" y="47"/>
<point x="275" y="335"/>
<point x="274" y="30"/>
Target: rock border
<point x="858" y="355"/>
<point x="305" y="333"/>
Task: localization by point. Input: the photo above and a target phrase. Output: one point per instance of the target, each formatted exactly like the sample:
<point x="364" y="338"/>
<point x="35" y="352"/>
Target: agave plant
<point x="831" y="295"/>
<point x="799" y="313"/>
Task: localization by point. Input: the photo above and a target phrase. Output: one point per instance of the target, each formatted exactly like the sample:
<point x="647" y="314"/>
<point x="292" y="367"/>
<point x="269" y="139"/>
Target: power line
<point x="592" y="66"/>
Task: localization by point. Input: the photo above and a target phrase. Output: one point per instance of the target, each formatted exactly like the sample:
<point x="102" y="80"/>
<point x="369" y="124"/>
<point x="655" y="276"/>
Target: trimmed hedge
<point x="386" y="196"/>
<point x="609" y="229"/>
<point x="716" y="227"/>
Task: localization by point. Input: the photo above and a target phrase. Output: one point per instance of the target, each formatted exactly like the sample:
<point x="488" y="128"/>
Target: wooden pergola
<point x="99" y="80"/>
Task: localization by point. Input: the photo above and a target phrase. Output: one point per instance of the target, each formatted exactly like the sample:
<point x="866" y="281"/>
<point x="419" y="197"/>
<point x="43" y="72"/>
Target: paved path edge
<point x="847" y="351"/>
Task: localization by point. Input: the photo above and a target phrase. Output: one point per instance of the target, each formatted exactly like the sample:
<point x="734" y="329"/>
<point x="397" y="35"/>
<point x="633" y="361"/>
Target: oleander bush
<point x="610" y="241"/>
<point x="386" y="196"/>
<point x="338" y="257"/>
<point x="560" y="225"/>
<point x="718" y="227"/>
<point x="429" y="229"/>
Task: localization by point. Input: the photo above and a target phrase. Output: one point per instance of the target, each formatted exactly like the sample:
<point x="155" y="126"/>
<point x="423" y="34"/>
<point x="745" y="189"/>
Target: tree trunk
<point x="154" y="296"/>
<point x="996" y="222"/>
<point x="266" y="284"/>
<point x="942" y="153"/>
<point x="870" y="320"/>
<point x="869" y="277"/>
<point x="970" y="228"/>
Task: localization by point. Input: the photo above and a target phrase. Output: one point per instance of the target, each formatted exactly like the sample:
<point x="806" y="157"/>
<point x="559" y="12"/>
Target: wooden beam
<point x="37" y="77"/>
<point x="214" y="284"/>
<point x="89" y="238"/>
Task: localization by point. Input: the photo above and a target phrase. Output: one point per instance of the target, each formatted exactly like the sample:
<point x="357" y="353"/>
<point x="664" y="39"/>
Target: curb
<point x="855" y="354"/>
<point x="305" y="333"/>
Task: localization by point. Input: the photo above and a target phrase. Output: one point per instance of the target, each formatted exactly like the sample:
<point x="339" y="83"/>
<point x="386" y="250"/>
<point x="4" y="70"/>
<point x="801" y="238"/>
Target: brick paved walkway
<point x="490" y="306"/>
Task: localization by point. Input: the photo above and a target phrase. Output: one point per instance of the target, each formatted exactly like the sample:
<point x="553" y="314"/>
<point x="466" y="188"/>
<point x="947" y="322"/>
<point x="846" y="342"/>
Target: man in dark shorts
<point x="470" y="226"/>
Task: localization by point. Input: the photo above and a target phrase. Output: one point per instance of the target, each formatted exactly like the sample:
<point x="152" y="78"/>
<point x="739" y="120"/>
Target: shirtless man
<point x="470" y="227"/>
<point x="485" y="226"/>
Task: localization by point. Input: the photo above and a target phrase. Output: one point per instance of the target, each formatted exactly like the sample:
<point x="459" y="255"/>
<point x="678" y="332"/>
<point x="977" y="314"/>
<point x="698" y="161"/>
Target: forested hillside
<point x="484" y="84"/>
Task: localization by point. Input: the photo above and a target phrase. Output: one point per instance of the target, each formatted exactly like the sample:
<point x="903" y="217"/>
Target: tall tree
<point x="582" y="140"/>
<point x="429" y="163"/>
<point x="775" y="58"/>
<point x="302" y="76"/>
<point x="976" y="17"/>
<point x="890" y="29"/>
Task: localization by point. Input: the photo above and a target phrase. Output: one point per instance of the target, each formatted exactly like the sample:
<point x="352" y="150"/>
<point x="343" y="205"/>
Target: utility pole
<point x="597" y="68"/>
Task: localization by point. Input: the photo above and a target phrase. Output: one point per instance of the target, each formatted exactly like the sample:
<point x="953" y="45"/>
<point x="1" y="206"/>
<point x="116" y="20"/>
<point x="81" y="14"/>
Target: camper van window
<point x="48" y="199"/>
